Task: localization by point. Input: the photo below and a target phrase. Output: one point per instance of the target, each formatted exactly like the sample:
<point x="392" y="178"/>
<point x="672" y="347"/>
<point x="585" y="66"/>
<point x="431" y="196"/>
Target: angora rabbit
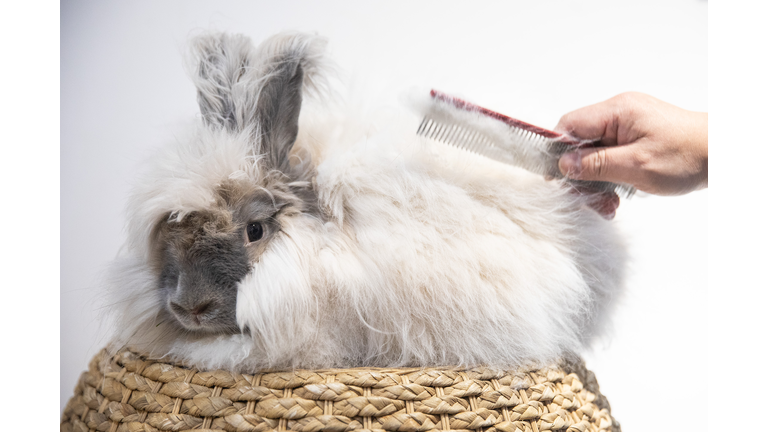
<point x="270" y="239"/>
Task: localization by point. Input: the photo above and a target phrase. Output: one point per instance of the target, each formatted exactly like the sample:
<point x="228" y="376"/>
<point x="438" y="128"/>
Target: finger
<point x="595" y="122"/>
<point x="604" y="203"/>
<point x="586" y="123"/>
<point x="616" y="164"/>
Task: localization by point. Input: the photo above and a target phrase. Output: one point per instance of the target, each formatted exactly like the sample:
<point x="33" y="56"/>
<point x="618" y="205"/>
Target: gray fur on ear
<point x="240" y="87"/>
<point x="277" y="111"/>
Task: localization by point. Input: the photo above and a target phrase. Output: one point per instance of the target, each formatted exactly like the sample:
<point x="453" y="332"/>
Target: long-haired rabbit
<point x="289" y="231"/>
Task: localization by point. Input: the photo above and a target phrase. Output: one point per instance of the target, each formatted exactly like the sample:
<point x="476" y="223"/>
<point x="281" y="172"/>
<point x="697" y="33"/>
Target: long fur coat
<point x="292" y="229"/>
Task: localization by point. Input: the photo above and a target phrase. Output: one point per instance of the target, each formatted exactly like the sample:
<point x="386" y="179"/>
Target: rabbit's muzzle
<point x="202" y="268"/>
<point x="205" y="296"/>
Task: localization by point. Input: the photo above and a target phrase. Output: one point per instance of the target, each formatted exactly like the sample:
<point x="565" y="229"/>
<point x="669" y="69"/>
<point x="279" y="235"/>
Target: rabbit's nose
<point x="200" y="309"/>
<point x="195" y="311"/>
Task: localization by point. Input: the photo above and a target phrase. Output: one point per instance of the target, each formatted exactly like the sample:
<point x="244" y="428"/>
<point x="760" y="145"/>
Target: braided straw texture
<point x="128" y="392"/>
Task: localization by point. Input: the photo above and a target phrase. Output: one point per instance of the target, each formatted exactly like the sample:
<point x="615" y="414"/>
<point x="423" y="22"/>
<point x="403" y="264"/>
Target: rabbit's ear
<point x="277" y="111"/>
<point x="260" y="90"/>
<point x="219" y="63"/>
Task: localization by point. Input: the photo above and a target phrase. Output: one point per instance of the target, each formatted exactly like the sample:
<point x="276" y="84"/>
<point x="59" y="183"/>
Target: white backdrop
<point x="124" y="92"/>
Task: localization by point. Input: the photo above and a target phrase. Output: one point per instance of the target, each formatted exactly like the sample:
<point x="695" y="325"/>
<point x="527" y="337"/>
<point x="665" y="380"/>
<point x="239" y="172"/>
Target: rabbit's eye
<point x="254" y="231"/>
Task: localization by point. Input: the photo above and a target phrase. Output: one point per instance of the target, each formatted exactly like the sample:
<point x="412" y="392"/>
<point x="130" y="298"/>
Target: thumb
<point x="611" y="164"/>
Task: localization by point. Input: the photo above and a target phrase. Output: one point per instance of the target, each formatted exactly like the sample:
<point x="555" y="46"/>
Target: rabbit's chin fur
<point x="419" y="254"/>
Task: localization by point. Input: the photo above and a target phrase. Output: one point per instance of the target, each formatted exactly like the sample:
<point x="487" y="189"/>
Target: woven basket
<point x="128" y="392"/>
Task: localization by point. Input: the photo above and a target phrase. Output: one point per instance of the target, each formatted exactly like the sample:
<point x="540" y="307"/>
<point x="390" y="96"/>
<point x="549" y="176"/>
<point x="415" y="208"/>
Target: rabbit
<point x="289" y="230"/>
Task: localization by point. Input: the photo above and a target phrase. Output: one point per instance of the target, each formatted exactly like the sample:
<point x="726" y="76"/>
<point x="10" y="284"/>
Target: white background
<point x="124" y="92"/>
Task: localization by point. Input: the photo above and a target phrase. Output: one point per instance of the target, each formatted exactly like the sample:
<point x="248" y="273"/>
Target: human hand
<point x="654" y="146"/>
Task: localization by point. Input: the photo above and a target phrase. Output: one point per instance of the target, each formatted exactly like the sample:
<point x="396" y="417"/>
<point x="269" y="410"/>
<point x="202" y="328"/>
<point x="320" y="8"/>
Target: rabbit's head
<point x="255" y="95"/>
<point x="208" y="209"/>
<point x="201" y="258"/>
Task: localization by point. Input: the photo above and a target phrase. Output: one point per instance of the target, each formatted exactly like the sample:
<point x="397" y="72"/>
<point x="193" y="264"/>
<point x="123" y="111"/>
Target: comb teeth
<point x="454" y="135"/>
<point x="527" y="149"/>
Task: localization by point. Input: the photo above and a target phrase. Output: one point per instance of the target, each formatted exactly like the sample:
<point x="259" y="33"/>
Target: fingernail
<point x="570" y="164"/>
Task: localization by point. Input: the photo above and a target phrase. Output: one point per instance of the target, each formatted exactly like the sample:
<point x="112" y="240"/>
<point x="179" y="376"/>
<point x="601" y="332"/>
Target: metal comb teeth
<point x="529" y="150"/>
<point x="454" y="135"/>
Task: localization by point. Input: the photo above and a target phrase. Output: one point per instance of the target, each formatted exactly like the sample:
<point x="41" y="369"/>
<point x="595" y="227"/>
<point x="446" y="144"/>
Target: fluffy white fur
<point x="421" y="254"/>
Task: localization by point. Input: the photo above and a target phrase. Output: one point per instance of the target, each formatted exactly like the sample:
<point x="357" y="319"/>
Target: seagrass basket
<point x="128" y="392"/>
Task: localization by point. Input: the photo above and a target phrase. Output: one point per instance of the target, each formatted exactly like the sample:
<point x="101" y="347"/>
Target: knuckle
<point x="598" y="163"/>
<point x="629" y="101"/>
<point x="564" y="124"/>
<point x="642" y="160"/>
<point x="630" y="96"/>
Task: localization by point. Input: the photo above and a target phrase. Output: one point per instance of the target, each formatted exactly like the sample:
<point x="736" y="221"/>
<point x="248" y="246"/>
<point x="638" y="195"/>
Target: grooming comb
<point x="479" y="130"/>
